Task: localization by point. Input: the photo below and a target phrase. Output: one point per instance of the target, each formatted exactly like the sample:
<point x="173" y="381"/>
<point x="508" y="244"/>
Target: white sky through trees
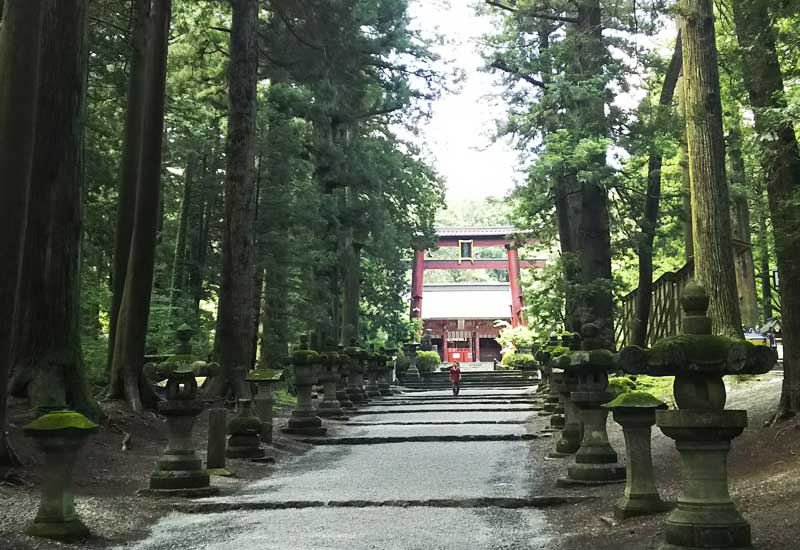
<point x="459" y="134"/>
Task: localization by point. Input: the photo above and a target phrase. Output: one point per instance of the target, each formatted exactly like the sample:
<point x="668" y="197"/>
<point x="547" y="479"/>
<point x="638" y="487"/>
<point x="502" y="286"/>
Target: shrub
<point x="427" y="361"/>
<point x="401" y="364"/>
<point x="517" y="361"/>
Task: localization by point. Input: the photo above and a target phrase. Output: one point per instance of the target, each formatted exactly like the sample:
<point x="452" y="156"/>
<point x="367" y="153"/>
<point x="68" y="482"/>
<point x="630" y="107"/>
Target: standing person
<point x="455" y="377"/>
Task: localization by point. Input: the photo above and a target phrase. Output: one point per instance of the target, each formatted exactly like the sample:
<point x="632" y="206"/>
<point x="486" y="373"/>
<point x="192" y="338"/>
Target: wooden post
<point x="516" y="288"/>
<point x="417" y="277"/>
<point x="217" y="430"/>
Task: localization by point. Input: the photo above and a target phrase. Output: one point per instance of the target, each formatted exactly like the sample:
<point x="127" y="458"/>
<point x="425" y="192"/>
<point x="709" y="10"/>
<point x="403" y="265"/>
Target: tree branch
<point x="501" y="65"/>
<point x="537" y="15"/>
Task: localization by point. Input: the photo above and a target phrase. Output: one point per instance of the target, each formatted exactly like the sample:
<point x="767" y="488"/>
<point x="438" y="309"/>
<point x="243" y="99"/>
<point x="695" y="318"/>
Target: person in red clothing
<point x="455" y="377"/>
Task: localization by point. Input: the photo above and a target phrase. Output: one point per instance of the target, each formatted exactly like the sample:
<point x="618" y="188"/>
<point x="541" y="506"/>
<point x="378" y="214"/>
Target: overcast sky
<point x="459" y="134"/>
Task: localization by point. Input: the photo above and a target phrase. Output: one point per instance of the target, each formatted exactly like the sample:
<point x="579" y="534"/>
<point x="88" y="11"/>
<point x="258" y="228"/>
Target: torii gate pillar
<point x="417" y="277"/>
<point x="516" y="288"/>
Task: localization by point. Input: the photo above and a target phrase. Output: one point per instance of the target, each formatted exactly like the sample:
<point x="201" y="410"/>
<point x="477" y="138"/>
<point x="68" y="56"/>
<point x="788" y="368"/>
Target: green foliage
<point x="517" y="361"/>
<point x="621" y="384"/>
<point x="659" y="386"/>
<point x="520" y="337"/>
<point x="428" y="361"/>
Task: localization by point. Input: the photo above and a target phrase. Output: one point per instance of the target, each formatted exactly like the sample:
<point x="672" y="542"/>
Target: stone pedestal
<point x="264" y="398"/>
<point x="180" y="471"/>
<point x="410" y="349"/>
<point x="596" y="461"/>
<point x="217" y="442"/>
<point x="706" y="517"/>
<point x="245" y="433"/>
<point x="636" y="413"/>
<point x="572" y="433"/>
<point x="355" y="379"/>
<point x="329" y="407"/>
<point x="304" y="419"/>
<point x="59" y="436"/>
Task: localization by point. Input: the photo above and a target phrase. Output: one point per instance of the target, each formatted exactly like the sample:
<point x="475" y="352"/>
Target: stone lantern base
<point x="372" y="388"/>
<point x="706" y="517"/>
<point x="309" y="425"/>
<point x="596" y="461"/>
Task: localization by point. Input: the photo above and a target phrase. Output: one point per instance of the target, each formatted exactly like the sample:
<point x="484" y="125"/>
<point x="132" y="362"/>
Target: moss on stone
<point x="621" y="384"/>
<point x="304" y="357"/>
<point x="181" y="359"/>
<point x="257" y="375"/>
<point x="635" y="399"/>
<point x="61" y="420"/>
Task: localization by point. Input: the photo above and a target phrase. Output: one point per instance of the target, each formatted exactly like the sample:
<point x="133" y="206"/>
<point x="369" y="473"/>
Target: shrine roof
<point x="490" y="301"/>
<point x="503" y="231"/>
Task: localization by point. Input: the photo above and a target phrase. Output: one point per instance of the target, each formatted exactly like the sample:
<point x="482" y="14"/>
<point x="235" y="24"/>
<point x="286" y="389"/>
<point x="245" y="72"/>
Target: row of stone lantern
<point x="705" y="515"/>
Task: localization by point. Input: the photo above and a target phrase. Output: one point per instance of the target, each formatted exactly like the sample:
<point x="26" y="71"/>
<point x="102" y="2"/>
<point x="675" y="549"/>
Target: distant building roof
<point x="490" y="301"/>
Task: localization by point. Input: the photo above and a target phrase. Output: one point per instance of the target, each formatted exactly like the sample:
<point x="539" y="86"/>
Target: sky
<point x="459" y="134"/>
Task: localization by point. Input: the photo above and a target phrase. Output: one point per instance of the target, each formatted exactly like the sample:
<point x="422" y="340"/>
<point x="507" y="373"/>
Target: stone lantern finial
<point x="695" y="307"/>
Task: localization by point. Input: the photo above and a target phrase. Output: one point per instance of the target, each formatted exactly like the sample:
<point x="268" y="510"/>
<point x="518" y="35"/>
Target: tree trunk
<point x="763" y="261"/>
<point x="781" y="161"/>
<point x="593" y="244"/>
<point x="686" y="180"/>
<point x="19" y="63"/>
<point x="130" y="165"/>
<point x="47" y="361"/>
<point x="351" y="288"/>
<point x="644" y="297"/>
<point x="127" y="378"/>
<point x="178" y="287"/>
<point x="711" y="222"/>
<point x="740" y="216"/>
<point x="236" y="308"/>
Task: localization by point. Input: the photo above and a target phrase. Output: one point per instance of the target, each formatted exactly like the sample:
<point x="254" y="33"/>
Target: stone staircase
<point x="473" y="379"/>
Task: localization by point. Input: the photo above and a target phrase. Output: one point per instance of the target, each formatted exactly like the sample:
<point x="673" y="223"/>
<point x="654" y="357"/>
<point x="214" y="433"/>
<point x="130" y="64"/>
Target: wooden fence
<point x="665" y="310"/>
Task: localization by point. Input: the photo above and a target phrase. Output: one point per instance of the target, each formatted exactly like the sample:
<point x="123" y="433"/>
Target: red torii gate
<point x="466" y="239"/>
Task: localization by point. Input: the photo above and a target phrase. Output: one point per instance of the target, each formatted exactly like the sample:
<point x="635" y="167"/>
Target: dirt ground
<point x="107" y="478"/>
<point x="764" y="480"/>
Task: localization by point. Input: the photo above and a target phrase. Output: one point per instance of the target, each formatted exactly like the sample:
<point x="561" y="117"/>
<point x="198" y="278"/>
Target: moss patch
<point x="658" y="386"/>
<point x="265" y="374"/>
<point x="61" y="420"/>
<point x="638" y="399"/>
<point x="305" y="357"/>
<point x="621" y="384"/>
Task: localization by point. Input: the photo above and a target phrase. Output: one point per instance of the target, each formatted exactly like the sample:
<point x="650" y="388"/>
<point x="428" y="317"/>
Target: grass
<point x="284" y="399"/>
<point x="659" y="386"/>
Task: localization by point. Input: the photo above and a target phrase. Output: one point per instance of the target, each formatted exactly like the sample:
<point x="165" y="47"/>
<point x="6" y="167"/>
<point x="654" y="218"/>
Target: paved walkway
<point x="393" y="495"/>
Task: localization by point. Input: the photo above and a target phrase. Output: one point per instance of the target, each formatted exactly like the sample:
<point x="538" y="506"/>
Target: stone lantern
<point x="244" y="431"/>
<point x="706" y="516"/>
<point x="264" y="399"/>
<point x="344" y="379"/>
<point x="329" y="407"/>
<point x="389" y="357"/>
<point x="304" y="419"/>
<point x="636" y="413"/>
<point x="595" y="461"/>
<point x="572" y="432"/>
<point x="412" y="373"/>
<point x="355" y="387"/>
<point x="184" y="335"/>
<point x="59" y="435"/>
<point x="373" y="372"/>
<point x="544" y="355"/>
<point x="180" y="471"/>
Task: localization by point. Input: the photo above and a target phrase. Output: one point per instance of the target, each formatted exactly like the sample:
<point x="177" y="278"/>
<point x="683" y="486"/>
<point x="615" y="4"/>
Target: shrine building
<point x="461" y="316"/>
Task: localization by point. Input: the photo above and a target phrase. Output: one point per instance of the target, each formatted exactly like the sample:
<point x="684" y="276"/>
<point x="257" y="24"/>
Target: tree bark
<point x="644" y="298"/>
<point x="236" y="308"/>
<point x="763" y="261"/>
<point x="740" y="216"/>
<point x="127" y="378"/>
<point x="781" y="162"/>
<point x="47" y="361"/>
<point x="19" y="81"/>
<point x="130" y="164"/>
<point x="686" y="180"/>
<point x="711" y="224"/>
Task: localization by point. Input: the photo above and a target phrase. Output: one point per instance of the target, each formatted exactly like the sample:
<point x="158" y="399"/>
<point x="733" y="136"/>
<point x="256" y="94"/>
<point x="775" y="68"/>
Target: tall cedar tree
<point x="644" y="297"/>
<point x="127" y="377"/>
<point x="19" y="62"/>
<point x="711" y="220"/>
<point x="781" y="162"/>
<point x="46" y="352"/>
<point x="235" y="322"/>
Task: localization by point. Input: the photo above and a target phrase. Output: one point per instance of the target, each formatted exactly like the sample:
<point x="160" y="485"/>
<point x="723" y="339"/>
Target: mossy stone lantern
<point x="244" y="431"/>
<point x="264" y="399"/>
<point x="387" y="362"/>
<point x="636" y="412"/>
<point x="355" y="379"/>
<point x="706" y="516"/>
<point x="59" y="435"/>
<point x="596" y="461"/>
<point x="572" y="433"/>
<point x="543" y="356"/>
<point x="304" y="419"/>
<point x="329" y="407"/>
<point x="373" y="372"/>
<point x="344" y="379"/>
<point x="184" y="335"/>
<point x="412" y="373"/>
<point x="180" y="470"/>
